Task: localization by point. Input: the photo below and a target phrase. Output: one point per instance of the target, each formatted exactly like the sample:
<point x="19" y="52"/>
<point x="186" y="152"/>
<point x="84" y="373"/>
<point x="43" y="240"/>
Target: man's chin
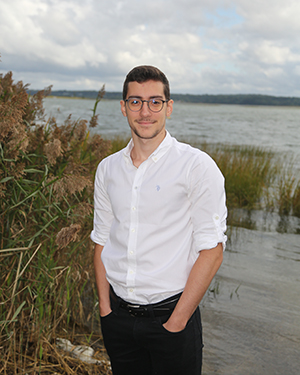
<point x="146" y="134"/>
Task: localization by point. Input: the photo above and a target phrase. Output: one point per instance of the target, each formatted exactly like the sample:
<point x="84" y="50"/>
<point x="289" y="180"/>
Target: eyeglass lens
<point x="155" y="105"/>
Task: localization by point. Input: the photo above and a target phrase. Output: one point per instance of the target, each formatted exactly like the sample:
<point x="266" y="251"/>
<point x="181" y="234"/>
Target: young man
<point x="159" y="224"/>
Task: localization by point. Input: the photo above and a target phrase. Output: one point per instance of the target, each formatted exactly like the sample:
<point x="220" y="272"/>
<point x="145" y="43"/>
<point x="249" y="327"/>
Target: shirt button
<point x="132" y="230"/>
<point x="131" y="252"/>
<point x="131" y="290"/>
<point x="133" y="208"/>
<point x="131" y="272"/>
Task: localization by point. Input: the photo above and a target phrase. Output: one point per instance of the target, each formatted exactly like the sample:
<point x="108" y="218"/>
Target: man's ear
<point x="123" y="108"/>
<point x="170" y="107"/>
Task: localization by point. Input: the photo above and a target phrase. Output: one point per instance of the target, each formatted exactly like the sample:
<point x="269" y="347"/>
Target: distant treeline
<point x="243" y="99"/>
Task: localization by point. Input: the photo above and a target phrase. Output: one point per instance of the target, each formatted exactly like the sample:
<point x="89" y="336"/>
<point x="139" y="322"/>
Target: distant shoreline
<point x="241" y="99"/>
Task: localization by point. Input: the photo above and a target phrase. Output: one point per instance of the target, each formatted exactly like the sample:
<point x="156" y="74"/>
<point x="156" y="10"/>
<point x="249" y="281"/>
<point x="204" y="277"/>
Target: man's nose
<point x="145" y="111"/>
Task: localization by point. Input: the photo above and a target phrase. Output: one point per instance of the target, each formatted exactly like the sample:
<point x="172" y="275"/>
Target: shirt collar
<point x="157" y="154"/>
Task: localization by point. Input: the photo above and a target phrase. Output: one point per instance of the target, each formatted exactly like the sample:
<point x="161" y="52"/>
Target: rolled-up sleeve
<point x="103" y="215"/>
<point x="208" y="204"/>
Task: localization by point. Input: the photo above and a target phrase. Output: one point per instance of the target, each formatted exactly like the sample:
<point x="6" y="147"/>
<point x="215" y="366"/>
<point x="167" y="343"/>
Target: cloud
<point x="204" y="46"/>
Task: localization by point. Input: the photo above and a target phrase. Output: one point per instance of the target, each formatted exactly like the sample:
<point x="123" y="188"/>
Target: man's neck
<point x="143" y="148"/>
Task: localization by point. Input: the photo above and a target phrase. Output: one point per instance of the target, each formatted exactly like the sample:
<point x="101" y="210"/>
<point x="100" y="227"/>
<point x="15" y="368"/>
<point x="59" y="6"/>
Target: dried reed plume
<point x="35" y="109"/>
<point x="94" y="118"/>
<point x="67" y="235"/>
<point x="70" y="184"/>
<point x="82" y="210"/>
<point x="80" y="131"/>
<point x="53" y="151"/>
<point x="99" y="146"/>
<point x="12" y="109"/>
<point x="93" y="121"/>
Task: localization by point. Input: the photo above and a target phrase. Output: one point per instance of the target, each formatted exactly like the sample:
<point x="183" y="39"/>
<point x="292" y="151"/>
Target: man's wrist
<point x="175" y="325"/>
<point x="105" y="309"/>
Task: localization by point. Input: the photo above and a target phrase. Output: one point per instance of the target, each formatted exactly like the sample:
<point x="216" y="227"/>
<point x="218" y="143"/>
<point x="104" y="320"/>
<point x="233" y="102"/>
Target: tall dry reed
<point x="46" y="198"/>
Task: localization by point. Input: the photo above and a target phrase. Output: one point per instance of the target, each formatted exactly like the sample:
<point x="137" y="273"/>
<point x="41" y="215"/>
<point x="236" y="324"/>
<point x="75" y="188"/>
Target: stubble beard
<point x="136" y="132"/>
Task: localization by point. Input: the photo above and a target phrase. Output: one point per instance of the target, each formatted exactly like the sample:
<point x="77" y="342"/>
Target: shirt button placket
<point x="131" y="251"/>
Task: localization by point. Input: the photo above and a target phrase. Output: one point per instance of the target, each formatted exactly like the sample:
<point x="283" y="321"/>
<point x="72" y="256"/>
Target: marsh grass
<point x="288" y="190"/>
<point x="248" y="174"/>
<point x="46" y="208"/>
<point x="296" y="200"/>
<point x="46" y="200"/>
<point x="256" y="179"/>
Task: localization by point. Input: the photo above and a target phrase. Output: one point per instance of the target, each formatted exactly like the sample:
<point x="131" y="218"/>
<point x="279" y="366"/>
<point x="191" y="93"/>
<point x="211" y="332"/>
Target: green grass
<point x="257" y="179"/>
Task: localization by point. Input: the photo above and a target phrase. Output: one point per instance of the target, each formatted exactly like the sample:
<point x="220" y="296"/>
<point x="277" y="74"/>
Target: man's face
<point x="144" y="123"/>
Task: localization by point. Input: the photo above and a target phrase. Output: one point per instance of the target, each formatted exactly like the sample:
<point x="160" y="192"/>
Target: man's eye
<point x="135" y="102"/>
<point x="156" y="102"/>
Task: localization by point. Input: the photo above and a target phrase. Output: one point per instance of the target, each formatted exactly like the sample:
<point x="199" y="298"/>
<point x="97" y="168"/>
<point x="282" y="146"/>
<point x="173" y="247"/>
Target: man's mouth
<point x="145" y="122"/>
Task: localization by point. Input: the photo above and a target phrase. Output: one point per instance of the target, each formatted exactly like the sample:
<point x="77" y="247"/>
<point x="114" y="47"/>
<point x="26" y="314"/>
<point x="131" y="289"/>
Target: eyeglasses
<point x="155" y="105"/>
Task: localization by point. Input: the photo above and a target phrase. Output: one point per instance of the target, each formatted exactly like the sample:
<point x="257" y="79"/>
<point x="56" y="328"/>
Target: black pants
<point x="142" y="346"/>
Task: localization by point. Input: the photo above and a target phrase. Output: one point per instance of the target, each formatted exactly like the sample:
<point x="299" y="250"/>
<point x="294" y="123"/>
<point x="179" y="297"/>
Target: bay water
<point x="276" y="128"/>
<point x="251" y="312"/>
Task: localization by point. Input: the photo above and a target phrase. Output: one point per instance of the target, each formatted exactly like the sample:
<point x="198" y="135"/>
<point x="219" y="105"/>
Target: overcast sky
<point x="203" y="46"/>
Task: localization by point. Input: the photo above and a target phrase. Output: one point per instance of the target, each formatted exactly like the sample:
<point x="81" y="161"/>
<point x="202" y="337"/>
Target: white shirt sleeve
<point x="208" y="204"/>
<point x="103" y="215"/>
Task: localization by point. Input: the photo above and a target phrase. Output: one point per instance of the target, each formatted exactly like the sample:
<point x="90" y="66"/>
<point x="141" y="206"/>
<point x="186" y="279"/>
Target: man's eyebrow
<point x="150" y="97"/>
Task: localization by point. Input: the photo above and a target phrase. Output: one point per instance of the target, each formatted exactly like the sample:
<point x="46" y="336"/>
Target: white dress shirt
<point x="153" y="220"/>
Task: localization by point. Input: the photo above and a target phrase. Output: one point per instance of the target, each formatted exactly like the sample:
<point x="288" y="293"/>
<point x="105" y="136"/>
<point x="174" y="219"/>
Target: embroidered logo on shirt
<point x="157" y="188"/>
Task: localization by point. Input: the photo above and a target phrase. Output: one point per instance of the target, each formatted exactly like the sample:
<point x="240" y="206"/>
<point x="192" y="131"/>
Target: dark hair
<point x="146" y="73"/>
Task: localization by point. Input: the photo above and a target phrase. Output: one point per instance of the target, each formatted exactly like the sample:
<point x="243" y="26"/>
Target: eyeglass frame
<point x="148" y="103"/>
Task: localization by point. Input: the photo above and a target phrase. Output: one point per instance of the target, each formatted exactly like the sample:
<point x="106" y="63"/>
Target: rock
<point x="82" y="352"/>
